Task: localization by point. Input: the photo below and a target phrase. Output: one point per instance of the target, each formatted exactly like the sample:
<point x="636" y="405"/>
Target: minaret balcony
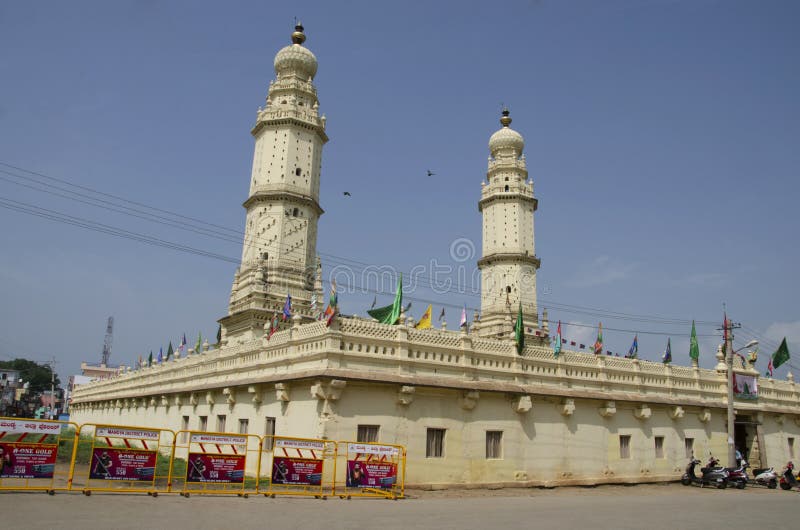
<point x="508" y="163"/>
<point x="509" y="257"/>
<point x="489" y="196"/>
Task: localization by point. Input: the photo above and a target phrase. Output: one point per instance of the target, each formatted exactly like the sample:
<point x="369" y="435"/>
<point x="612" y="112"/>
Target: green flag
<point x="390" y="313"/>
<point x="519" y="331"/>
<point x="781" y="355"/>
<point x="199" y="342"/>
<point x="150" y="359"/>
<point x="170" y="351"/>
<point x="694" y="348"/>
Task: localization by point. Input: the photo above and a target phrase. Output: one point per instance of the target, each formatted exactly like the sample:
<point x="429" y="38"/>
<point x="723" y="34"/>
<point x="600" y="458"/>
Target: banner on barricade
<point x="122" y="464"/>
<point x="19" y="460"/>
<point x="297" y="471"/>
<point x="29" y="427"/>
<point x="115" y="432"/>
<point x="201" y="438"/>
<point x="371" y="474"/>
<point x="215" y="468"/>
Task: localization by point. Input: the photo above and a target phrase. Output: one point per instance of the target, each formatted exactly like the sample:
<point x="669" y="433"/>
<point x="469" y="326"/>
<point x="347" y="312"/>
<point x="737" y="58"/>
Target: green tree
<point x="38" y="375"/>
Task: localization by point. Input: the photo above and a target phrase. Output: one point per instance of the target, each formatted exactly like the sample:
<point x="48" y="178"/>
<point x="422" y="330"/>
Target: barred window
<point x="269" y="431"/>
<point x="688" y="443"/>
<point x="434" y="448"/>
<point x="367" y="433"/>
<point x="184" y="427"/>
<point x="202" y="423"/>
<point x="244" y="425"/>
<point x="659" y="446"/>
<point x="791" y="447"/>
<point x="494" y="444"/>
<point x="221" y="419"/>
<point x="624" y="446"/>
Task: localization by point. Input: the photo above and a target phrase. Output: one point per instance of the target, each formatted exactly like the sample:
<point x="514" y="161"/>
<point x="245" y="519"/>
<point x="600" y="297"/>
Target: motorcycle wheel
<point x="722" y="485"/>
<point x="772" y="484"/>
<point x="740" y="485"/>
<point x="785" y="486"/>
<point x="686" y="481"/>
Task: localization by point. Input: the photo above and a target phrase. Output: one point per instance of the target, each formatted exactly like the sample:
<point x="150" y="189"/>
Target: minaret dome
<point x="506" y="139"/>
<point x="295" y="59"/>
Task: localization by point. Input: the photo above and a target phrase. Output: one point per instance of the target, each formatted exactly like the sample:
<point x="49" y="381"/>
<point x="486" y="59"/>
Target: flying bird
<point x="346" y="194"/>
<point x="431" y="173"/>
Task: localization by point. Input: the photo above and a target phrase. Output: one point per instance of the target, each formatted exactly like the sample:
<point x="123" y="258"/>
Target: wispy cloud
<point x="602" y="270"/>
<point x="790" y="330"/>
<point x="708" y="279"/>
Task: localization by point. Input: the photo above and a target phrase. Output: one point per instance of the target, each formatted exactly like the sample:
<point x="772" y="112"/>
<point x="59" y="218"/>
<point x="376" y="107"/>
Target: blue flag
<point x="633" y="353"/>
<point x="287" y="307"/>
<point x="668" y="353"/>
<point x="160" y="355"/>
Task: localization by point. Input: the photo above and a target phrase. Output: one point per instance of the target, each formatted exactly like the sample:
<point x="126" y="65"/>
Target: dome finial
<point x="506" y="119"/>
<point x="298" y="37"/>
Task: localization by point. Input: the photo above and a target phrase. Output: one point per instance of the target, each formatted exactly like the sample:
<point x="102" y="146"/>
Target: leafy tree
<point x="38" y="375"/>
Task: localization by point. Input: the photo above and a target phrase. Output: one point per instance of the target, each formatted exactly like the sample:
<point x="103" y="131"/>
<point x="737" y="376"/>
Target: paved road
<point x="617" y="507"/>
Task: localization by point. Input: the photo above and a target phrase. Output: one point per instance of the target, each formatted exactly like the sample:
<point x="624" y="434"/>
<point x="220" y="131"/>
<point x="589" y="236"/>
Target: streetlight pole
<point x="728" y="328"/>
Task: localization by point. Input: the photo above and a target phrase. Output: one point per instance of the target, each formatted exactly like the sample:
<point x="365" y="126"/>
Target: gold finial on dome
<point x="506" y="119"/>
<point x="298" y="37"/>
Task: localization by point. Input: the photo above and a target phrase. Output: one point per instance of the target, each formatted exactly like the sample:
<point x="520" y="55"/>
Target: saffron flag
<point x="633" y="352"/>
<point x="390" y="313"/>
<point x="170" y="351"/>
<point x="557" y="347"/>
<point x="668" y="353"/>
<point x="287" y="307"/>
<point x="598" y="344"/>
<point x="519" y="331"/>
<point x="694" y="347"/>
<point x="463" y="321"/>
<point x="781" y="355"/>
<point x="425" y="321"/>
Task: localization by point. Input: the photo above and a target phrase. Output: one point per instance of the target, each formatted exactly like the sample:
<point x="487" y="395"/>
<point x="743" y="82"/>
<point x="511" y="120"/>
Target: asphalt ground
<point x="619" y="507"/>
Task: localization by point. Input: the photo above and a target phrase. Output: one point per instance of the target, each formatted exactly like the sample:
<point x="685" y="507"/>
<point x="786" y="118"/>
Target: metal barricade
<point x="370" y="470"/>
<point x="123" y="459"/>
<point x="36" y="455"/>
<point x="215" y="463"/>
<point x="297" y="466"/>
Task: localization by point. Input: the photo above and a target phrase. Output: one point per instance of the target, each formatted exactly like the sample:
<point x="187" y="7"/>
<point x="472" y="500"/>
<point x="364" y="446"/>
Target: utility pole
<point x="52" y="386"/>
<point x="727" y="330"/>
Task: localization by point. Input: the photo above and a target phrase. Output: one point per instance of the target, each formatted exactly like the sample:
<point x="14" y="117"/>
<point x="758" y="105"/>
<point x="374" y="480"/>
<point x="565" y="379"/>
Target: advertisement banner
<point x="19" y="460"/>
<point x="371" y="474"/>
<point x="122" y="464"/>
<point x="204" y="467"/>
<point x="373" y="449"/>
<point x="29" y="426"/>
<point x="745" y="386"/>
<point x="303" y="471"/>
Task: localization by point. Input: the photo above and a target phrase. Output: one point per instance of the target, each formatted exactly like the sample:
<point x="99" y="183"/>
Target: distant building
<point x="98" y="371"/>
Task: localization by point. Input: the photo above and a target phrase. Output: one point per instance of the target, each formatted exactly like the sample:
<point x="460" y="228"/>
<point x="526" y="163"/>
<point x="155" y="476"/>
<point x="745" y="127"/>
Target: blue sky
<point x="662" y="137"/>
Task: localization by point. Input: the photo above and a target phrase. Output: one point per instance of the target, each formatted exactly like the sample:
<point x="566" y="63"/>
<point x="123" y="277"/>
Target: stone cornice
<point x="507" y="196"/>
<point x="284" y="118"/>
<point x="267" y="194"/>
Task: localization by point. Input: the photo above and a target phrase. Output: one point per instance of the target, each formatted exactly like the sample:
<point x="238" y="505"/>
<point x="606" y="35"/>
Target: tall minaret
<point x="509" y="263"/>
<point x="279" y="250"/>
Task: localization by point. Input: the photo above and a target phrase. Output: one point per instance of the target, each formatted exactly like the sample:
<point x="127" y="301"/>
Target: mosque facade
<point x="470" y="408"/>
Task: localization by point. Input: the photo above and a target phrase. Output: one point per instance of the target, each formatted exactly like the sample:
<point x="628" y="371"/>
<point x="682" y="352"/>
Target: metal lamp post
<point x="729" y="360"/>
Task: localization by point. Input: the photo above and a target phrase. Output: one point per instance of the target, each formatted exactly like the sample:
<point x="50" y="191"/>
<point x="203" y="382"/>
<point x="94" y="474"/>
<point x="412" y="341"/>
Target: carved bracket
<point x="779" y="419"/>
<point x="608" y="409"/>
<point x="193" y="399"/>
<point x="676" y="412"/>
<point x="153" y="402"/>
<point x="282" y="392"/>
<point x="255" y="392"/>
<point x="704" y="415"/>
<point x="165" y="401"/>
<point x="331" y="391"/>
<point x="797" y="420"/>
<point x="469" y="400"/>
<point x="567" y="407"/>
<point x="642" y="412"/>
<point x="230" y="396"/>
<point x="210" y="398"/>
<point x="178" y="401"/>
<point x="522" y="404"/>
<point x="406" y="395"/>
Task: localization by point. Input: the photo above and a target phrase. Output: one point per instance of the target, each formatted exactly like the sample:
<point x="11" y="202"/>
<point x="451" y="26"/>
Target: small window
<point x="624" y="446"/>
<point x="221" y="419"/>
<point x="506" y="187"/>
<point x="297" y="171"/>
<point x="494" y="444"/>
<point x="435" y="443"/>
<point x="269" y="431"/>
<point x="791" y="447"/>
<point x="659" y="446"/>
<point x="508" y="288"/>
<point x="367" y="433"/>
<point x="202" y="423"/>
<point x="244" y="425"/>
<point x="294" y="212"/>
<point x="184" y="427"/>
<point x="688" y="443"/>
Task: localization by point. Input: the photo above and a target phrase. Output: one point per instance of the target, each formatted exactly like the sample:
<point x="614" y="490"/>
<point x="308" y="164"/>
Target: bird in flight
<point x="431" y="173"/>
<point x="347" y="194"/>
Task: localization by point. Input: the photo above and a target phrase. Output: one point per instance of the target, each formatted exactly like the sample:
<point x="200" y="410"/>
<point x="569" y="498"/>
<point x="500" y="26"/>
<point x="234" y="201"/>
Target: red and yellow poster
<point x="20" y="460"/>
<point x="303" y="471"/>
<point x="204" y="467"/>
<point x="375" y="474"/>
<point x="122" y="464"/>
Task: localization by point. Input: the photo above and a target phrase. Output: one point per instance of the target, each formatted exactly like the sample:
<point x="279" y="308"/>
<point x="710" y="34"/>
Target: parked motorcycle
<point x="738" y="476"/>
<point x="766" y="477"/>
<point x="788" y="480"/>
<point x="711" y="474"/>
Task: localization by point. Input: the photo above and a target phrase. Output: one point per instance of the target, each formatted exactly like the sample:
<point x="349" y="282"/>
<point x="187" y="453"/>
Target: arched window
<point x="508" y="288"/>
<point x="297" y="171"/>
<point x="294" y="212"/>
<point x="506" y="187"/>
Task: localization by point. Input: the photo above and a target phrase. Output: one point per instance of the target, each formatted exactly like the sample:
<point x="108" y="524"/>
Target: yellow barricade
<point x="215" y="463"/>
<point x="36" y="454"/>
<point x="123" y="459"/>
<point x="297" y="466"/>
<point x="370" y="470"/>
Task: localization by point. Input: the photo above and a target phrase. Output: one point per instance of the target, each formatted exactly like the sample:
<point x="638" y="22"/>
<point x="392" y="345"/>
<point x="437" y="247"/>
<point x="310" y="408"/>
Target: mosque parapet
<point x="360" y="349"/>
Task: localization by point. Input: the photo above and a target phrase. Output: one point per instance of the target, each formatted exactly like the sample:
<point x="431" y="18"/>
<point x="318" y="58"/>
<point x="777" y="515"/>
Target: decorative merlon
<point x="282" y="392"/>
<point x="567" y="407"/>
<point x="642" y="412"/>
<point x="522" y="404"/>
<point x="676" y="412"/>
<point x="406" y="395"/>
<point x="469" y="400"/>
<point x="704" y="415"/>
<point x="254" y="391"/>
<point x="608" y="409"/>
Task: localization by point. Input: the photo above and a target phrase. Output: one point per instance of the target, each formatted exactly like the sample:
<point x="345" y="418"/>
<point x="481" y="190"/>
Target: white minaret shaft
<point x="279" y="249"/>
<point x="508" y="264"/>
